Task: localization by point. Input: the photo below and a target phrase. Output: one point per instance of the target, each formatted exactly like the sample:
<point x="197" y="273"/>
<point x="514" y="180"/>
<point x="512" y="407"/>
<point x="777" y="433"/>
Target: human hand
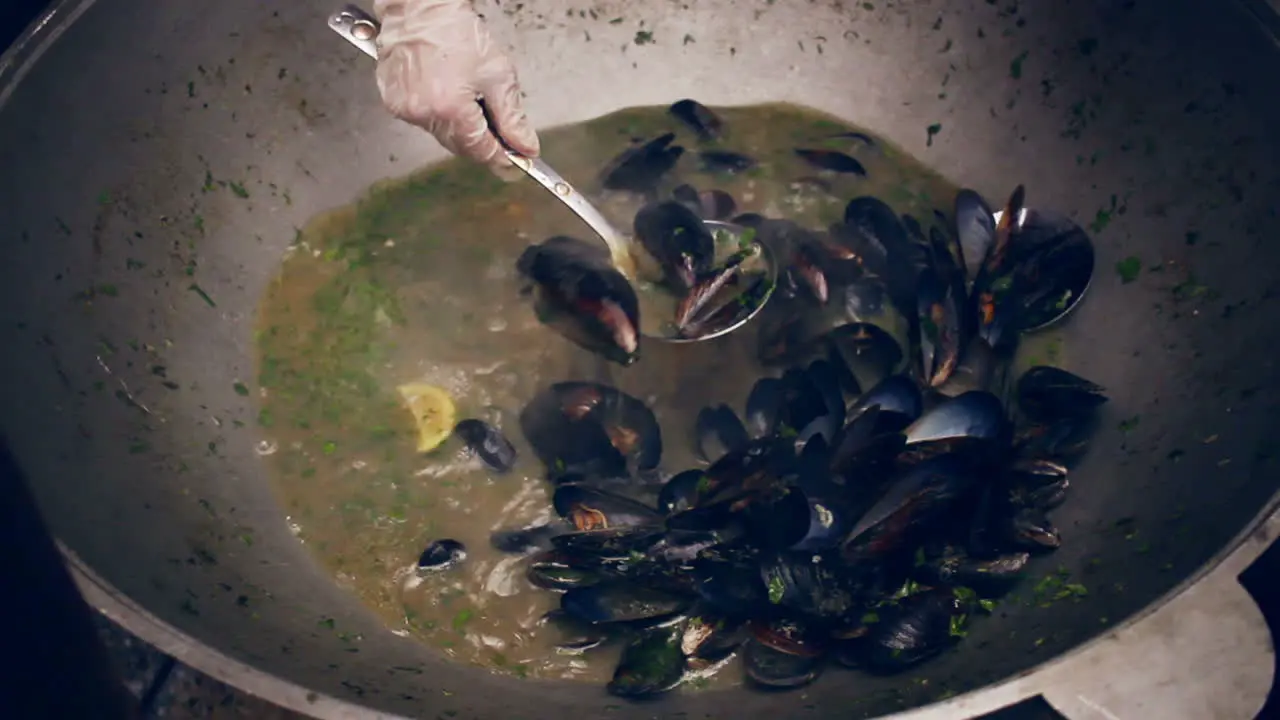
<point x="435" y="58"/>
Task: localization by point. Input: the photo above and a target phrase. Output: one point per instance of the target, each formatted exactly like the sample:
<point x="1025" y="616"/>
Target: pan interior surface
<point x="153" y="187"/>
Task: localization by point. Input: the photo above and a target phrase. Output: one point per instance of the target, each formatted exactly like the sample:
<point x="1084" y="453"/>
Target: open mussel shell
<point x="918" y="496"/>
<point x="651" y="664"/>
<point x="710" y="635"/>
<point x="760" y="284"/>
<point x="783" y="653"/>
<point x="868" y="352"/>
<point x="680" y="492"/>
<point x="803" y="522"/>
<point x="591" y="429"/>
<point x="1055" y="264"/>
<point x="719" y="432"/>
<point x="590" y="508"/>
<point x="442" y="554"/>
<point x="917" y="628"/>
<point x="620" y="602"/>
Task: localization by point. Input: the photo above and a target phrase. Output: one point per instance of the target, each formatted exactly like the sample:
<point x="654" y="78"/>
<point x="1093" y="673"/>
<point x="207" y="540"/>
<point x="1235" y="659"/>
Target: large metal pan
<point x="1154" y="122"/>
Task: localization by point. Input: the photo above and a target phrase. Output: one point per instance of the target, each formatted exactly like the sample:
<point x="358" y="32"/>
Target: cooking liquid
<point x="416" y="282"/>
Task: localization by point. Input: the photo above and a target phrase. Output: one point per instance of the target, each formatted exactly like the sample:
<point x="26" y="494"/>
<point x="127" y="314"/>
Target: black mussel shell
<point x="976" y="228"/>
<point x="684" y="546"/>
<point x="879" y="226"/>
<point x="1030" y="529"/>
<point x="629" y="424"/>
<point x="533" y="537"/>
<point x="723" y="161"/>
<point x="640" y="168"/>
<point x="832" y="160"/>
<point x="816" y="585"/>
<point x="752" y="469"/>
<point x="749" y="220"/>
<point x="917" y="628"/>
<point x="764" y="407"/>
<point x="977" y="415"/>
<point x="868" y="352"/>
<point x="620" y="602"/>
<point x="569" y="446"/>
<point x="803" y="522"/>
<point x="1040" y="484"/>
<point x="589" y="508"/>
<point x="553" y="571"/>
<point x="1055" y="263"/>
<point x="995" y="299"/>
<point x="719" y="432"/>
<point x="607" y="543"/>
<point x="573" y="635"/>
<point x="920" y="495"/>
<point x="442" y="554"/>
<point x="807" y="272"/>
<point x="677" y="238"/>
<point x="698" y="117"/>
<point x="1047" y="393"/>
<point x="687" y="195"/>
<point x="941" y="307"/>
<point x="680" y="492"/>
<point x="710" y="635"/>
<point x="988" y="577"/>
<point x="899" y="399"/>
<point x="826" y="378"/>
<point x="771" y="668"/>
<point x="977" y="370"/>
<point x="584" y="297"/>
<point x="1064" y="439"/>
<point x="651" y="664"/>
<point x="716" y="204"/>
<point x="488" y="443"/>
<point x="914" y="228"/>
<point x="732" y="587"/>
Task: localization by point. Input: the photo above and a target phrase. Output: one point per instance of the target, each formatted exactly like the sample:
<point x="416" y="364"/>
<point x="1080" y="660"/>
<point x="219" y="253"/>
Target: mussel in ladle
<point x="677" y="238"/>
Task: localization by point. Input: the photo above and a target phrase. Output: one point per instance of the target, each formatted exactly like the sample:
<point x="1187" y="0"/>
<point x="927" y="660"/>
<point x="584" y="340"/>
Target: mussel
<point x="591" y="429"/>
<point x="640" y="168"/>
<point x="580" y="294"/>
<point x="1047" y="393"/>
<point x="719" y="432"/>
<point x="915" y="629"/>
<point x="697" y="117"/>
<point x="651" y="664"/>
<point x="442" y="554"/>
<point x="832" y="160"/>
<point x="620" y="602"/>
<point x="676" y="237"/>
<point x="488" y="443"/>
<point x="589" y="508"/>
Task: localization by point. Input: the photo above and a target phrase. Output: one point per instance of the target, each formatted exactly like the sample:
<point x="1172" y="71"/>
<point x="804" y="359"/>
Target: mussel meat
<point x="589" y="508"/>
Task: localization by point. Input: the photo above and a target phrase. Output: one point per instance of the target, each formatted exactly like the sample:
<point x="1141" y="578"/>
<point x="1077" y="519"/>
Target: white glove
<point x="435" y="57"/>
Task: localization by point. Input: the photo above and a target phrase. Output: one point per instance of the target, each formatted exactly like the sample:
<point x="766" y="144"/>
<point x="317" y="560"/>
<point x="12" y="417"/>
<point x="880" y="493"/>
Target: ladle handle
<point x="361" y="29"/>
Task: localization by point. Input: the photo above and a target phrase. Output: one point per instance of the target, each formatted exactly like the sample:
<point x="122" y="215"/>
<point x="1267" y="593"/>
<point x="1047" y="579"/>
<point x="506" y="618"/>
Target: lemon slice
<point x="433" y="411"/>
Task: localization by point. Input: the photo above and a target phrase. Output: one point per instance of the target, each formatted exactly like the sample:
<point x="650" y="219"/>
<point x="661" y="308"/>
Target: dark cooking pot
<point x="131" y="278"/>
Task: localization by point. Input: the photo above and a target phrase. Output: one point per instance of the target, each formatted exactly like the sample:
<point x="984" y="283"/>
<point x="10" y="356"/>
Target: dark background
<point x="1262" y="579"/>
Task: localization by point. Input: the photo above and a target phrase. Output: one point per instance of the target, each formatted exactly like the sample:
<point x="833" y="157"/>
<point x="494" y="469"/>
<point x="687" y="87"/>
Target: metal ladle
<point x="361" y="29"/>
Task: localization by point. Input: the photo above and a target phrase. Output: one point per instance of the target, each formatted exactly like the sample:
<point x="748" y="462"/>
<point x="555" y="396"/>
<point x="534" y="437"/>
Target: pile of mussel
<point x="888" y="483"/>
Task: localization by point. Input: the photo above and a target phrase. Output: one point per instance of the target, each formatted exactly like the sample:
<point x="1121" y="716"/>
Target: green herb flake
<point x="241" y="389"/>
<point x="644" y="37"/>
<point x="988" y="606"/>
<point x="1128" y="269"/>
<point x="238" y="189"/>
<point x="203" y="295"/>
<point x="461" y="619"/>
<point x="870" y="618"/>
<point x="776" y="590"/>
<point x="1015" y="67"/>
<point x="1128" y="425"/>
<point x="932" y="130"/>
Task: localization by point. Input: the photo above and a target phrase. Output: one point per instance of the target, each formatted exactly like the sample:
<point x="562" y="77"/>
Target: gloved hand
<point x="434" y="58"/>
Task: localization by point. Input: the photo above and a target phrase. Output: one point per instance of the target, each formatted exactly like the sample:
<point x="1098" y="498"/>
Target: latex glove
<point x="434" y="58"/>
